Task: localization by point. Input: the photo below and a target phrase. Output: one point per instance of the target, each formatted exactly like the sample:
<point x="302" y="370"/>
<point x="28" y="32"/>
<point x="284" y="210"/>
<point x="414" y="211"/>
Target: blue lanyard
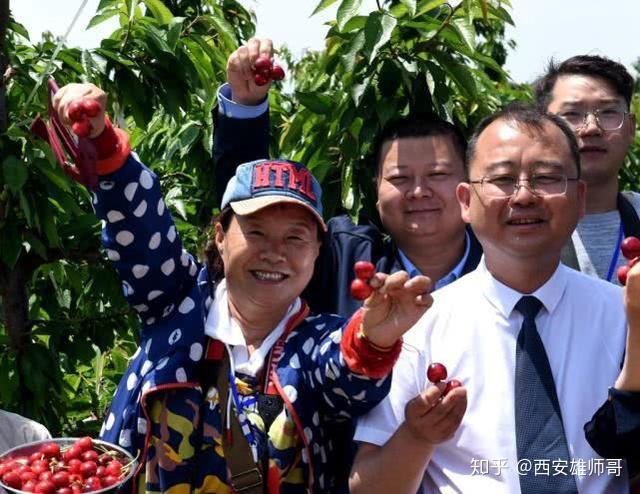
<point x="616" y="253"/>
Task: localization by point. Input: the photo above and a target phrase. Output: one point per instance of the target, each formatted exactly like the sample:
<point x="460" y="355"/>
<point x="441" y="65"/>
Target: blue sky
<point x="544" y="28"/>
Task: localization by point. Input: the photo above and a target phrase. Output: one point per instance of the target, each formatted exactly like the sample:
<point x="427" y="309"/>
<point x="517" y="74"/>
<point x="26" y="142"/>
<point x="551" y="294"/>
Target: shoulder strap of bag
<point x="245" y="474"/>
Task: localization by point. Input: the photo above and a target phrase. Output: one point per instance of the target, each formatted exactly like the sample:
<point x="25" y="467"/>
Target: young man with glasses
<point x="593" y="95"/>
<point x="535" y="344"/>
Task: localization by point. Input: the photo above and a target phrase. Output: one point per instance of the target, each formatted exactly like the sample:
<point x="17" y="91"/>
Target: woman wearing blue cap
<point x="235" y="386"/>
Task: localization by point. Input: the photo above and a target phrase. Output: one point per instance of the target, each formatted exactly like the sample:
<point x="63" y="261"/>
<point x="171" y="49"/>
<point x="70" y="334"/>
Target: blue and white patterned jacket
<point x="159" y="411"/>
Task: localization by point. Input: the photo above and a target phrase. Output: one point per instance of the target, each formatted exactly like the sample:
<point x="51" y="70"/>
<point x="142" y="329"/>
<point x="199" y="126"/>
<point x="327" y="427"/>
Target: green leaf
<point x="100" y="18"/>
<point x="114" y="56"/>
<point x="162" y="14"/>
<point x="466" y="31"/>
<point x="18" y="28"/>
<point x="173" y="34"/>
<point x="15" y="173"/>
<point x="226" y="29"/>
<point x="187" y="136"/>
<point x="347" y="9"/>
<point x="411" y="6"/>
<point x="70" y="58"/>
<point x="428" y="5"/>
<point x="356" y="23"/>
<point x="106" y="3"/>
<point x="459" y="74"/>
<point x="358" y="89"/>
<point x="377" y="32"/>
<point x="73" y="380"/>
<point x="155" y="40"/>
<point x="355" y="45"/>
<point x="386" y="110"/>
<point x="347" y="187"/>
<point x="26" y="207"/>
<point x="323" y="5"/>
<point x="59" y="180"/>
<point x="11" y="244"/>
<point x="49" y="227"/>
<point x="35" y="244"/>
<point x="316" y="102"/>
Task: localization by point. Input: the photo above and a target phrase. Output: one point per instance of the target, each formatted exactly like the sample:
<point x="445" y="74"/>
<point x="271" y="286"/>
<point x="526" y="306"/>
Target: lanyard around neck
<point x="616" y="253"/>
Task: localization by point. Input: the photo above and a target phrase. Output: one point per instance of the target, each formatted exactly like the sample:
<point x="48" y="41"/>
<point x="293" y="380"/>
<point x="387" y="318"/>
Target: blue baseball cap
<point x="262" y="183"/>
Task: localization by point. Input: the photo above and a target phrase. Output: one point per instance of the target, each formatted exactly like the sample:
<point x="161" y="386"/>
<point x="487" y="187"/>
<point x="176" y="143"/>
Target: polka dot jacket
<point x="159" y="411"/>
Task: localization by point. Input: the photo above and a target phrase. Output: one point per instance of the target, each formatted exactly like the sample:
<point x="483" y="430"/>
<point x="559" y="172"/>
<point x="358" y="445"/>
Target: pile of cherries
<point x="81" y="467"/>
<point x="630" y="250"/>
<point x="437" y="373"/>
<point x="360" y="288"/>
<point x="80" y="112"/>
<point x="265" y="70"/>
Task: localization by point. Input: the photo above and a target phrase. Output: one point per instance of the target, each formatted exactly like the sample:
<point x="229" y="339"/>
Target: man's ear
<point x="582" y="198"/>
<point x="463" y="194"/>
<point x="632" y="125"/>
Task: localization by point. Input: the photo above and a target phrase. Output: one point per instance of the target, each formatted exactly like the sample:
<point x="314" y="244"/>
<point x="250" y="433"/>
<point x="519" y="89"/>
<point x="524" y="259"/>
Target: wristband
<point x="364" y="357"/>
<point x="112" y="147"/>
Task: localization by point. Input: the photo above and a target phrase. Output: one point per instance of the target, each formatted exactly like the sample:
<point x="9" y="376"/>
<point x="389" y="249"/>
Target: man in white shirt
<point x="16" y="430"/>
<point x="523" y="201"/>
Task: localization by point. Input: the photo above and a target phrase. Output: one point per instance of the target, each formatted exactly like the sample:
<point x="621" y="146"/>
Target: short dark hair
<point x="424" y="125"/>
<point x="527" y="116"/>
<point x="213" y="258"/>
<point x="590" y="65"/>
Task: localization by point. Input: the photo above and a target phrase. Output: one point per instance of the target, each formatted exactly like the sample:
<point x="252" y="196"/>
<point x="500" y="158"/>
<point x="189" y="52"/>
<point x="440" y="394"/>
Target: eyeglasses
<point x="611" y="119"/>
<point x="541" y="185"/>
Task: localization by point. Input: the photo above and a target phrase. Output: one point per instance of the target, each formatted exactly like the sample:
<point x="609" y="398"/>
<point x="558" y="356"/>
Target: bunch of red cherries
<point x="80" y="112"/>
<point x="630" y="248"/>
<point x="437" y="373"/>
<point x="81" y="467"/>
<point x="265" y="70"/>
<point x="360" y="288"/>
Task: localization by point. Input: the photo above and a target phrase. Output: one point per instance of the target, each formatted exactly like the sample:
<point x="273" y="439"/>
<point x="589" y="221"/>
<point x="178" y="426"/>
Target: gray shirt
<point x="596" y="240"/>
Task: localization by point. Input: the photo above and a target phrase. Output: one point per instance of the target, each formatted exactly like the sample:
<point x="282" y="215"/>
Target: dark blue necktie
<point x="539" y="429"/>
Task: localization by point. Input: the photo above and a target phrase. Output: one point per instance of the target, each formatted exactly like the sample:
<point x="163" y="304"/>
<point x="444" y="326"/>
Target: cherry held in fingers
<point x="82" y="128"/>
<point x="260" y="80"/>
<point x="630" y="247"/>
<point x="263" y="64"/>
<point x="453" y="384"/>
<point x="364" y="270"/>
<point x="623" y="271"/>
<point x="76" y="111"/>
<point x="360" y="290"/>
<point x="277" y="73"/>
<point x="436" y="372"/>
<point x="91" y="107"/>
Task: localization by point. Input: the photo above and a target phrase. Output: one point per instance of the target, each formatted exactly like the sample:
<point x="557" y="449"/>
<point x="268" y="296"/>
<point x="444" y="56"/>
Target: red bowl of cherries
<point x="66" y="466"/>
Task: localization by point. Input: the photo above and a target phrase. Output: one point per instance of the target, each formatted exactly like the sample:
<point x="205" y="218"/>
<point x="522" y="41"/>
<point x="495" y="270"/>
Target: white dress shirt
<point x="472" y="329"/>
<point x="220" y="325"/>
